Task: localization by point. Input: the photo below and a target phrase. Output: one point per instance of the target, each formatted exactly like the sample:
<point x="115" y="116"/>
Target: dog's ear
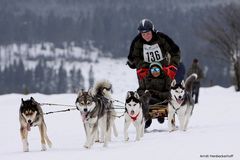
<point x="33" y="100"/>
<point x="128" y="94"/>
<point x="173" y="83"/>
<point x="183" y="83"/>
<point x="80" y="92"/>
<point x="136" y="95"/>
<point x="91" y="92"/>
<point x="22" y="100"/>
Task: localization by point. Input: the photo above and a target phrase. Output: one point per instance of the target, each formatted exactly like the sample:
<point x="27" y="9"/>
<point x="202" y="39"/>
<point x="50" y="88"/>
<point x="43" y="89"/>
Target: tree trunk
<point x="237" y="75"/>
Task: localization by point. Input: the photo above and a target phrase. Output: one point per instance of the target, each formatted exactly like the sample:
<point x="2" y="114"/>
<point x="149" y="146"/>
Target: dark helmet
<point x="195" y="60"/>
<point x="145" y="25"/>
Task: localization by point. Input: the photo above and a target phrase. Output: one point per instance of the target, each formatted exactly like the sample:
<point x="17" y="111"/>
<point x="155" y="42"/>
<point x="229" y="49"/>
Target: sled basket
<point x="158" y="111"/>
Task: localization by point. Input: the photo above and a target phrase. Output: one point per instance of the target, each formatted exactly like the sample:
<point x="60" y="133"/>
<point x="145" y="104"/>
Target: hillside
<point x="71" y="31"/>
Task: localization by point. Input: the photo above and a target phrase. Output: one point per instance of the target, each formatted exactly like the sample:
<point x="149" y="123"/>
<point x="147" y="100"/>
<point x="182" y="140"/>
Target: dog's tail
<point x="102" y="88"/>
<point x="189" y="81"/>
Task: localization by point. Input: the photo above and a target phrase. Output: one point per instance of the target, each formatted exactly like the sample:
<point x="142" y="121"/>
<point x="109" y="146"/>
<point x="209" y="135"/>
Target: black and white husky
<point x="31" y="115"/>
<point x="97" y="112"/>
<point x="134" y="114"/>
<point x="181" y="103"/>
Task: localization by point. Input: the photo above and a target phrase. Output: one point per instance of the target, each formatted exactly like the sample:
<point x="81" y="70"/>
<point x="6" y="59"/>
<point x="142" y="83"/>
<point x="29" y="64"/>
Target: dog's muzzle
<point x="132" y="112"/>
<point x="179" y="99"/>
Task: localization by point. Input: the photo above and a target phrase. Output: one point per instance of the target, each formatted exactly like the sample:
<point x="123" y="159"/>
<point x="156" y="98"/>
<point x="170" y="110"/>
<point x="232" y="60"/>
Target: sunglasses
<point x="155" y="70"/>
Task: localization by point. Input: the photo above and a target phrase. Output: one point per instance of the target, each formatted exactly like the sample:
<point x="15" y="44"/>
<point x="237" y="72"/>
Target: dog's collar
<point x="134" y="118"/>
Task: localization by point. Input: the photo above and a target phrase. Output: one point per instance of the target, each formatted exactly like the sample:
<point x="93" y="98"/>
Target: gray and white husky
<point x="97" y="112"/>
<point x="181" y="103"/>
<point x="31" y="115"/>
<point x="134" y="114"/>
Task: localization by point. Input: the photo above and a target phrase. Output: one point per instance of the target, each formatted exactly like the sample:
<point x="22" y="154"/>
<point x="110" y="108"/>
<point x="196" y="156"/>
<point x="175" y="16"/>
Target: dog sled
<point x="158" y="111"/>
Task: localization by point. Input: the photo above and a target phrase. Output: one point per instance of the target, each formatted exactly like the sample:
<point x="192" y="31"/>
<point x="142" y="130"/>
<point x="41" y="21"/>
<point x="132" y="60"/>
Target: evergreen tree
<point x="91" y="77"/>
<point x="29" y="81"/>
<point x="62" y="79"/>
<point x="76" y="80"/>
<point x="25" y="90"/>
<point x="81" y="79"/>
<point x="48" y="80"/>
<point x="19" y="76"/>
<point x="73" y="80"/>
<point x="39" y="76"/>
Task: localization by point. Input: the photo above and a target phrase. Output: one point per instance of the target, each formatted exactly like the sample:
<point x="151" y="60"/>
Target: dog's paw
<point x="86" y="146"/>
<point x="181" y="129"/>
<point x="172" y="130"/>
<point x="25" y="146"/>
<point x="105" y="145"/>
<point x="184" y="130"/>
<point x="25" y="149"/>
<point x="50" y="145"/>
<point x="126" y="139"/>
<point x="44" y="148"/>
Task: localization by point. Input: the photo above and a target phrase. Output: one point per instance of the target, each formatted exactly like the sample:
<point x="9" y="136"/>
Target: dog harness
<point x="174" y="107"/>
<point x="185" y="98"/>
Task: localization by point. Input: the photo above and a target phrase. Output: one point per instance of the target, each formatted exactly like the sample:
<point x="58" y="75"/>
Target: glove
<point x="131" y="64"/>
<point x="170" y="71"/>
<point x="142" y="73"/>
<point x="147" y="93"/>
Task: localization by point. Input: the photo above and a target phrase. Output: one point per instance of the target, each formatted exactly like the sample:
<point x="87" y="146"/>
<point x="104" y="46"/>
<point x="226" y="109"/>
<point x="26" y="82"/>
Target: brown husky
<point x="31" y="115"/>
<point x="97" y="112"/>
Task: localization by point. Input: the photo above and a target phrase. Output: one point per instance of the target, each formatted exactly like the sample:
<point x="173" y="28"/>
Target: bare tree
<point x="223" y="32"/>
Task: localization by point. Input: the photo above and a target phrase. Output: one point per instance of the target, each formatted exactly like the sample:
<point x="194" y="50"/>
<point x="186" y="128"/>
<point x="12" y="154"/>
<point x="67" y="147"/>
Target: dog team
<point x="156" y="58"/>
<point x="98" y="114"/>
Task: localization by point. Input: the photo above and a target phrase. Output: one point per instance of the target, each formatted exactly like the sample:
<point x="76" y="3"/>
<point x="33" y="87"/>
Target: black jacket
<point x="166" y="44"/>
<point x="159" y="87"/>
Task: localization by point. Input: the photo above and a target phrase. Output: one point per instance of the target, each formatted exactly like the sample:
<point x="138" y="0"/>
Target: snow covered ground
<point x="213" y="131"/>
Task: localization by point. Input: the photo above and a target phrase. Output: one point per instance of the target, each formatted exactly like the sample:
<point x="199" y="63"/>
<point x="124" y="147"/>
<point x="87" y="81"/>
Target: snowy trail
<point x="213" y="131"/>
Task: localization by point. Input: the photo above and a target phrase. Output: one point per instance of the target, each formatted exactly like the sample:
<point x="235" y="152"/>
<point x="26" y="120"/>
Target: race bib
<point x="152" y="53"/>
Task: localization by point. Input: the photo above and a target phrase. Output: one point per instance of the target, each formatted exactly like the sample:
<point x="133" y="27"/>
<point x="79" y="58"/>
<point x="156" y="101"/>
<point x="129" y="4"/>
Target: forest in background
<point x="110" y="26"/>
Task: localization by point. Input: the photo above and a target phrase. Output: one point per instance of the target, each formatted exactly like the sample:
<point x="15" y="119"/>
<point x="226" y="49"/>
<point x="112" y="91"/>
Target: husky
<point x="181" y="103"/>
<point x="97" y="112"/>
<point x="134" y="114"/>
<point x="31" y="115"/>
